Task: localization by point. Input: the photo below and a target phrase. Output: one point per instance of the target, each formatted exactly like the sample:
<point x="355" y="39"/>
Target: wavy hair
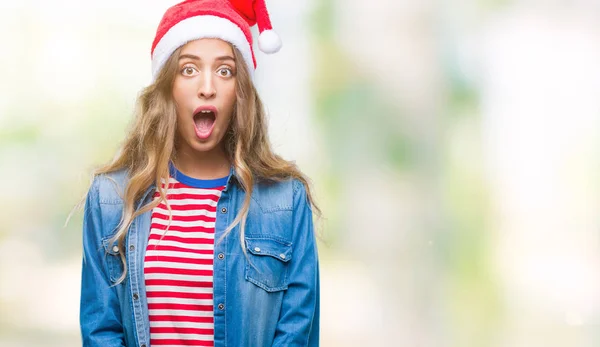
<point x="149" y="146"/>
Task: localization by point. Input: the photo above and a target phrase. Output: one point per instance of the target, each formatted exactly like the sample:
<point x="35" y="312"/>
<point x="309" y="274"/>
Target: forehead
<point x="207" y="48"/>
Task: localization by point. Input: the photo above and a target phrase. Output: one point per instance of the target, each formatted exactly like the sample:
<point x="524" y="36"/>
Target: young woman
<point x="197" y="234"/>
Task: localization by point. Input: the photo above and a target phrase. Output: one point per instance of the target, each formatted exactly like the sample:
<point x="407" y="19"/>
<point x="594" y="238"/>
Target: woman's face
<point x="204" y="94"/>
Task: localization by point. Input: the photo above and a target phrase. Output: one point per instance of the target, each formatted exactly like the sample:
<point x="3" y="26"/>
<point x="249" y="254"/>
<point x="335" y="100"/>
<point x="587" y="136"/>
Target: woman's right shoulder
<point x="110" y="187"/>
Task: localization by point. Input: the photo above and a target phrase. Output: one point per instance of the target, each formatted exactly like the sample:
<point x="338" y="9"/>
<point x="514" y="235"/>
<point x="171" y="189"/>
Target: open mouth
<point x="204" y="121"/>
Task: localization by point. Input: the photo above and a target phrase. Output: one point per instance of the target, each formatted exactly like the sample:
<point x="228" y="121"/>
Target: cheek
<point x="182" y="92"/>
<point x="230" y="97"/>
<point x="180" y="97"/>
<point x="177" y="91"/>
<point x="180" y="112"/>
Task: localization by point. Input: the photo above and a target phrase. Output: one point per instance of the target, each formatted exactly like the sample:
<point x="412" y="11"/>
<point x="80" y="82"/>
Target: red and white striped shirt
<point x="178" y="268"/>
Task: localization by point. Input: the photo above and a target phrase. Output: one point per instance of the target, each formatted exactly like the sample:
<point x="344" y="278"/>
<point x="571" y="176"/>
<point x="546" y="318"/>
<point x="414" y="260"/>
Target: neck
<point x="203" y="165"/>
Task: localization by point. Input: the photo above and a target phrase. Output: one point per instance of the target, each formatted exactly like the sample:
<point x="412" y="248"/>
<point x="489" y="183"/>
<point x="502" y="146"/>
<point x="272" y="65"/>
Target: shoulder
<point x="110" y="187"/>
<point x="278" y="195"/>
<point x="104" y="205"/>
<point x="276" y="209"/>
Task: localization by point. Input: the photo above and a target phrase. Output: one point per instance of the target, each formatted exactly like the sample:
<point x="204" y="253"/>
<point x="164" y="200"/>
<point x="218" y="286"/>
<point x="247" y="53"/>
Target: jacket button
<point x="257" y="249"/>
<point x="135" y="296"/>
<point x="131" y="247"/>
<point x="224" y="210"/>
<point x="116" y="249"/>
<point x="221" y="307"/>
<point x="143" y="345"/>
<point x="282" y="256"/>
<point x="221" y="255"/>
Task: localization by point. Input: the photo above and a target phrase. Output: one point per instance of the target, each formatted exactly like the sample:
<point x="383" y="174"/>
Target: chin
<point x="207" y="145"/>
<point x="203" y="147"/>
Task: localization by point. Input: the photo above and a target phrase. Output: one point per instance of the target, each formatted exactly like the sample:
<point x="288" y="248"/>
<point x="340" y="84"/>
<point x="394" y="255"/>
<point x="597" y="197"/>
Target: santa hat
<point x="228" y="20"/>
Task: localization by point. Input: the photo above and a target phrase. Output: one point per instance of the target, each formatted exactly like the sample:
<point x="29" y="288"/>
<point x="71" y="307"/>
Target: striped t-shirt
<point x="178" y="268"/>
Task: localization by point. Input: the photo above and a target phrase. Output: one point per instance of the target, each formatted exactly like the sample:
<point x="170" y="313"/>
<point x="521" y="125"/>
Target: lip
<point x="211" y="108"/>
<point x="205" y="135"/>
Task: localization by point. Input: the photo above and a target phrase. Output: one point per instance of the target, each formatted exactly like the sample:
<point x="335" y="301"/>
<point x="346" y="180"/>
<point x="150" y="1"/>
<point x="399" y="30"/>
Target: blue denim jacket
<point x="273" y="303"/>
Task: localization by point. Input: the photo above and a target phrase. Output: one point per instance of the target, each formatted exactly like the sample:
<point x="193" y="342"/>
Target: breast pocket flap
<point x="269" y="247"/>
<point x="267" y="263"/>
<point x="113" y="261"/>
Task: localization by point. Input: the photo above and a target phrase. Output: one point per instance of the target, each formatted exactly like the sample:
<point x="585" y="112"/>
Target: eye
<point x="225" y="72"/>
<point x="188" y="70"/>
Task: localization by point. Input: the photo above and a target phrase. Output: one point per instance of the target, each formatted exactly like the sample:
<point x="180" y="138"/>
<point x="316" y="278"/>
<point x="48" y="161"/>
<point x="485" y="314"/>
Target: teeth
<point x="206" y="111"/>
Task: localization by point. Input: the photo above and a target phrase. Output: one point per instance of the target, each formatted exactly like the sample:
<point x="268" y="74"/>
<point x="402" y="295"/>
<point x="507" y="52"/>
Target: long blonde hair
<point x="150" y="145"/>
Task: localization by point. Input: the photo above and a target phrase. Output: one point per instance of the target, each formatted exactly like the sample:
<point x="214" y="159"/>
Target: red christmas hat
<point x="228" y="20"/>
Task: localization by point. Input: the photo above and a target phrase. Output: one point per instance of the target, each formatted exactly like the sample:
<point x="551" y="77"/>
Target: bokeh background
<point x="454" y="147"/>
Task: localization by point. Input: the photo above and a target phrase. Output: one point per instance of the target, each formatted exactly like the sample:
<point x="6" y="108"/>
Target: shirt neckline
<point x="196" y="182"/>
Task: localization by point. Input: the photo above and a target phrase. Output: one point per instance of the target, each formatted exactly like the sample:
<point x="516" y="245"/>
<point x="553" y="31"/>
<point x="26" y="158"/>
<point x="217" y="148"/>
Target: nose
<point x="207" y="88"/>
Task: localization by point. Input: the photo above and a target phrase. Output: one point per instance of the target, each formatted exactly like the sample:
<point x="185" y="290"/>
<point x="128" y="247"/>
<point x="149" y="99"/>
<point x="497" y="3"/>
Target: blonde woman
<point x="197" y="234"/>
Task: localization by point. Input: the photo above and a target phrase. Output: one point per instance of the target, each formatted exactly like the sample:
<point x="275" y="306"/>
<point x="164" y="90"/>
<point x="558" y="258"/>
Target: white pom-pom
<point x="269" y="42"/>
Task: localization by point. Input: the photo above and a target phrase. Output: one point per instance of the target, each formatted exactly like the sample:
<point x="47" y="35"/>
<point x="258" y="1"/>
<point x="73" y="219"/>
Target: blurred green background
<point x="454" y="149"/>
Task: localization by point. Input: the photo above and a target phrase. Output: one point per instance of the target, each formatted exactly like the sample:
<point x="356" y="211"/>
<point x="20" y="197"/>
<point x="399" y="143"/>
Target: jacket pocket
<point x="113" y="259"/>
<point x="267" y="263"/>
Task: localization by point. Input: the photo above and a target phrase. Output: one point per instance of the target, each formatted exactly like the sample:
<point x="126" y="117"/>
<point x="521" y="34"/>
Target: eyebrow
<point x="195" y="57"/>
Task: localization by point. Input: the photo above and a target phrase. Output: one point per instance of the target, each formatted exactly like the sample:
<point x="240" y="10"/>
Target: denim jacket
<point x="273" y="303"/>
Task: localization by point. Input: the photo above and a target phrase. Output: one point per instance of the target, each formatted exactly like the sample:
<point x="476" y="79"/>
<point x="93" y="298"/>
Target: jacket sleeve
<point x="99" y="313"/>
<point x="298" y="323"/>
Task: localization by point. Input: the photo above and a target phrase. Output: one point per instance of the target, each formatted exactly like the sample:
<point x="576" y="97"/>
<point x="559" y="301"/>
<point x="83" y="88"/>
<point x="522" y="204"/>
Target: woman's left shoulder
<point x="278" y="195"/>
